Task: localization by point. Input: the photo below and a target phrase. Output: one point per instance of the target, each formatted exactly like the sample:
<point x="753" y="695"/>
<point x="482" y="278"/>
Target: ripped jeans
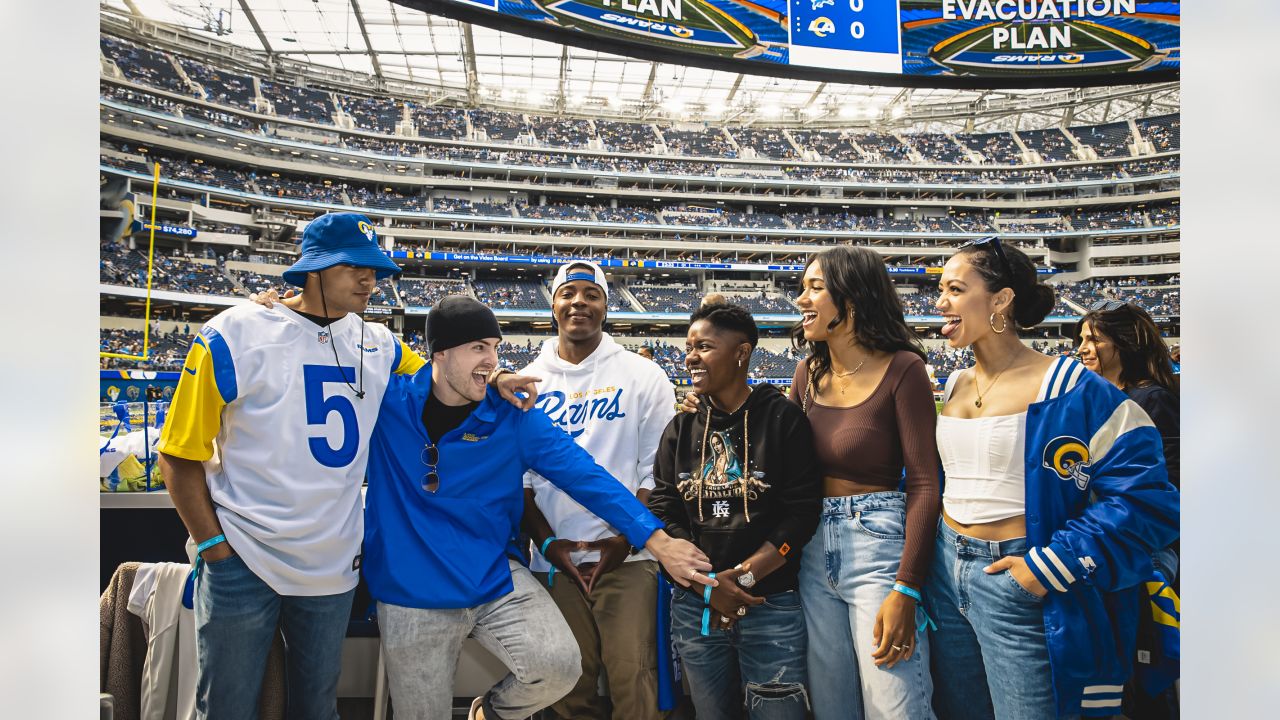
<point x="755" y="670"/>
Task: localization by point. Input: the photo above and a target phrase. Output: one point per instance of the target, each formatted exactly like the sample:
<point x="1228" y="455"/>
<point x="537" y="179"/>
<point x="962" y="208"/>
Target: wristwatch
<point x="746" y="579"/>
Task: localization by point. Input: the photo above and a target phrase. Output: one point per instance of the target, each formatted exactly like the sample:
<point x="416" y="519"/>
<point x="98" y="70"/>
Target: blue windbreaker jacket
<point x="449" y="549"/>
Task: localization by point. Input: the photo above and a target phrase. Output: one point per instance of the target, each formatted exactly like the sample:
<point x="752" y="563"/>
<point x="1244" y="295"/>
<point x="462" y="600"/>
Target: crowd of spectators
<point x="499" y="126"/>
<point x="511" y="294"/>
<point x="1159" y="298"/>
<point x="143" y="65"/>
<point x="378" y="114"/>
<point x="120" y="266"/>
<point x="763" y="302"/>
<point x="767" y="142"/>
<point x="276" y="185"/>
<point x="166" y="351"/>
<point x="220" y="86"/>
<point x="1163" y="131"/>
<point x="679" y="298"/>
<point x="298" y="102"/>
<point x="626" y="137"/>
<point x="1051" y="143"/>
<point x="627" y="215"/>
<point x="995" y="148"/>
<point x="1109" y="140"/>
<point x="707" y="142"/>
<point x="555" y="211"/>
<point x="426" y="292"/>
<point x="1108" y="219"/>
<point x="439" y="122"/>
<point x="255" y="282"/>
<point x="937" y="148"/>
<point x="561" y="132"/>
<point x="831" y="145"/>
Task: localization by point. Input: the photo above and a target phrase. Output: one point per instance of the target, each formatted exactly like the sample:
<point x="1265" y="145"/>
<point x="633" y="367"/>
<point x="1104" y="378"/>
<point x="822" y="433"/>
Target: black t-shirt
<point x="318" y="319"/>
<point x="438" y="418"/>
<point x="1162" y="406"/>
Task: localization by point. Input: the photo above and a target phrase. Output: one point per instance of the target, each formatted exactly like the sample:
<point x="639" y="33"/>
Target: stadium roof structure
<point x="364" y="44"/>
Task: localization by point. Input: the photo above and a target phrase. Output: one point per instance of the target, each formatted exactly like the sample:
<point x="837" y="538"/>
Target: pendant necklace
<point x="978" y="403"/>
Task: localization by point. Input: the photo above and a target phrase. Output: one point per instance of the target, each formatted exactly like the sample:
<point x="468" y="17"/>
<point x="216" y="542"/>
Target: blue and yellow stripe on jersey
<point x="206" y="385"/>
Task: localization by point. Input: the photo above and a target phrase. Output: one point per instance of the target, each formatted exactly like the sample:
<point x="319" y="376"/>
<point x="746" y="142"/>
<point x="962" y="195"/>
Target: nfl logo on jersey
<point x="322" y="337"/>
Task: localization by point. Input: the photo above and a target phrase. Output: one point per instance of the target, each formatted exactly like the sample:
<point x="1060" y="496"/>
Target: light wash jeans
<point x="990" y="656"/>
<point x="846" y="572"/>
<point x="759" y="663"/>
<point x="524" y="629"/>
<point x="236" y="616"/>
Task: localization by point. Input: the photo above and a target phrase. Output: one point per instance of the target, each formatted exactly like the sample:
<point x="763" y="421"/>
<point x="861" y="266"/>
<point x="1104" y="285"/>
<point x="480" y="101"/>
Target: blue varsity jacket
<point x="1099" y="502"/>
<point x="449" y="549"/>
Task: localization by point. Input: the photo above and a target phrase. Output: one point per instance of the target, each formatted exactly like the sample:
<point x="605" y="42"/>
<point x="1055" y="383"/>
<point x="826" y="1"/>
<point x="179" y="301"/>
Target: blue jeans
<point x="759" y="663"/>
<point x="236" y="616"/>
<point x="846" y="572"/>
<point x="990" y="656"/>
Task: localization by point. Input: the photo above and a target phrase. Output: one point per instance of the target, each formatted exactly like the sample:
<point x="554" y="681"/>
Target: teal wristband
<point x="915" y="595"/>
<point x="706" y="591"/>
<point x="551" y="575"/>
<point x="908" y="591"/>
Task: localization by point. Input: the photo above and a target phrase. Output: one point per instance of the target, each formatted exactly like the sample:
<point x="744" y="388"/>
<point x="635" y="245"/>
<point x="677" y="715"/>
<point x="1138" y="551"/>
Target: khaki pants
<point x="615" y="631"/>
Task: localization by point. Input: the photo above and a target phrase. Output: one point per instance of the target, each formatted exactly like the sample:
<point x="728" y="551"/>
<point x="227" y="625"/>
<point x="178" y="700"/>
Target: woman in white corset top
<point x="1054" y="495"/>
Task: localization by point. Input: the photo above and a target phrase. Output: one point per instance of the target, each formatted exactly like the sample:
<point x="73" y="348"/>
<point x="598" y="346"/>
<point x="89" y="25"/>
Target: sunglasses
<point x="1108" y="305"/>
<point x="994" y="242"/>
<point x="431" y="458"/>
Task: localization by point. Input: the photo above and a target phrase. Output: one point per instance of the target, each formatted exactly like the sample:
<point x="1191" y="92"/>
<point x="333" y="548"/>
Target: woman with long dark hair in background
<point x="1119" y="341"/>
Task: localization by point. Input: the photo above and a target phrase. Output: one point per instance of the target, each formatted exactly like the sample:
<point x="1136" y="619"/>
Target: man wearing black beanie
<point x="446" y="467"/>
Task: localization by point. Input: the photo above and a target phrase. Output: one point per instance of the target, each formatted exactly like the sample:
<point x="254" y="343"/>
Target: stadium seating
<point x="143" y="65"/>
<point x="1162" y="131"/>
<point x="1109" y="140"/>
<point x="884" y="148"/>
<point x="768" y="143"/>
<point x="426" y="292"/>
<point x="1051" y="143"/>
<point x="626" y="137"/>
<point x="221" y="86"/>
<point x="166" y="351"/>
<point x="996" y="148"/>
<point x="708" y="142"/>
<point x="676" y="298"/>
<point x="511" y="294"/>
<point x="561" y="132"/>
<point x="373" y="113"/>
<point x="937" y="148"/>
<point x="298" y="102"/>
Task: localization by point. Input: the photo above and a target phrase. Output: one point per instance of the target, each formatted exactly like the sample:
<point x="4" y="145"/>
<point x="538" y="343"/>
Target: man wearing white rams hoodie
<point x="616" y="405"/>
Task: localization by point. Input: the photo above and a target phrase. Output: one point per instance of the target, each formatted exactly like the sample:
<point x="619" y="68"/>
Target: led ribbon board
<point x="923" y="43"/>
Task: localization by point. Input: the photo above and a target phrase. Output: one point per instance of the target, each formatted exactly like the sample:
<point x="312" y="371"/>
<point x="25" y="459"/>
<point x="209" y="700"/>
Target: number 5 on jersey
<point x="319" y="408"/>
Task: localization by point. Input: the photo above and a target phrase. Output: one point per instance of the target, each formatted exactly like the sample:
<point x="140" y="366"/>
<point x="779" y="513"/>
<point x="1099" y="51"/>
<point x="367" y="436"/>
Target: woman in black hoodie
<point x="739" y="480"/>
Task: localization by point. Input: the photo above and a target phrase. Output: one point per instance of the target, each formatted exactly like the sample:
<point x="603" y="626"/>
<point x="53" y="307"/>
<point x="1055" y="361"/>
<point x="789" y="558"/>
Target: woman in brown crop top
<point x="868" y="396"/>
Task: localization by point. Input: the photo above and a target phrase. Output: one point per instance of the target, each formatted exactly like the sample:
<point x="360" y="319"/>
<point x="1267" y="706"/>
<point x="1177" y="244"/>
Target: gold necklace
<point x="848" y="373"/>
<point x="978" y="403"/>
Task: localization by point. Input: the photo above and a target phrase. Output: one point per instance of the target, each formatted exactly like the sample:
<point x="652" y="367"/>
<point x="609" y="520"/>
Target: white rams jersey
<point x="284" y="440"/>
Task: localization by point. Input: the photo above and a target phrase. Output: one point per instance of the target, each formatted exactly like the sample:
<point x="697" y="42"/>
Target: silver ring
<point x="693" y="572"/>
<point x="742" y="610"/>
<point x="725" y="620"/>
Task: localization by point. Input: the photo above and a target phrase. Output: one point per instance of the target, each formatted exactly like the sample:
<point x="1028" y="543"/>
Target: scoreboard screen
<point x="938" y="43"/>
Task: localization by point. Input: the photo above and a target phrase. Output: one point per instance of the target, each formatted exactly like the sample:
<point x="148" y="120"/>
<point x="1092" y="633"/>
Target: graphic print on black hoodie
<point x="728" y="482"/>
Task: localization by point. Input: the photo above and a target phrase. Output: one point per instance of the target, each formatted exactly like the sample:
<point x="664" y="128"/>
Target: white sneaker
<point x="474" y="712"/>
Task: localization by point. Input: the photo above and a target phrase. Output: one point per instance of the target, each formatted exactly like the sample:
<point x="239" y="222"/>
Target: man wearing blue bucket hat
<point x="264" y="454"/>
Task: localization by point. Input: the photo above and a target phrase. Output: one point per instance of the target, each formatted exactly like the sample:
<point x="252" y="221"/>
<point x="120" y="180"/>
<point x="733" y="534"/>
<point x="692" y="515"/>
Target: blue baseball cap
<point x="340" y="239"/>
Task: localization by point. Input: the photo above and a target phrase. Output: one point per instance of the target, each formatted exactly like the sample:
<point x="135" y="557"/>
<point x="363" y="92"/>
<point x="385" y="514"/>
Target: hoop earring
<point x="739" y="362"/>
<point x="992" y="322"/>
